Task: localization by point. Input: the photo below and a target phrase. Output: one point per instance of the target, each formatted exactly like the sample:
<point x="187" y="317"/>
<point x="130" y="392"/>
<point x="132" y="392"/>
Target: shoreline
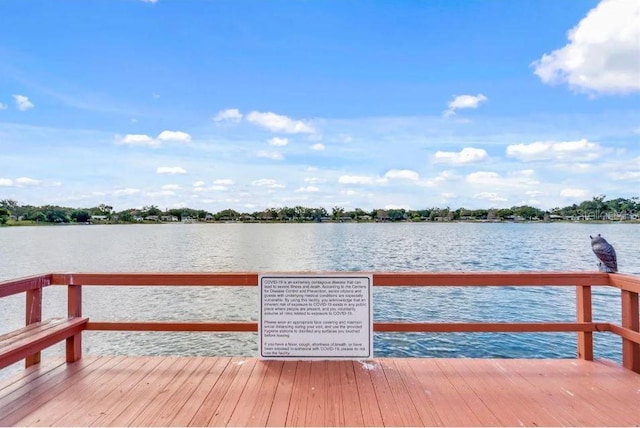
<point x="29" y="223"/>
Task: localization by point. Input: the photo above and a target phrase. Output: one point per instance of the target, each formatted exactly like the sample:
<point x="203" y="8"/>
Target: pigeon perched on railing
<point x="605" y="253"/>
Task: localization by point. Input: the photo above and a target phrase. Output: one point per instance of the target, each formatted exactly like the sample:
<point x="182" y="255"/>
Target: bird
<point x="605" y="253"/>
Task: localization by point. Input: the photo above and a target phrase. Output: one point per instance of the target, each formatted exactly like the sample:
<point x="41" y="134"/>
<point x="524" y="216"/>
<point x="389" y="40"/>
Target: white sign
<point x="316" y="316"/>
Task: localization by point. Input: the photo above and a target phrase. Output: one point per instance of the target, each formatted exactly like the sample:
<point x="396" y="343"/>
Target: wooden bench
<point x="30" y="340"/>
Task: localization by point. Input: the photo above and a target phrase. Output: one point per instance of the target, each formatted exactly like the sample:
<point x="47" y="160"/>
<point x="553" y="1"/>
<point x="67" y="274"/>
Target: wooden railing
<point x="584" y="326"/>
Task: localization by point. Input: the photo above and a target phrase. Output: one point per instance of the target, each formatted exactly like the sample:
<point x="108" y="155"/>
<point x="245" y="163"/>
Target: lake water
<point x="421" y="247"/>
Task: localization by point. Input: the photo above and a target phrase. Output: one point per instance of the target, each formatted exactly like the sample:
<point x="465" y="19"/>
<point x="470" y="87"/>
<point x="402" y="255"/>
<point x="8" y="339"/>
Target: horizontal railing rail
<point x="584" y="326"/>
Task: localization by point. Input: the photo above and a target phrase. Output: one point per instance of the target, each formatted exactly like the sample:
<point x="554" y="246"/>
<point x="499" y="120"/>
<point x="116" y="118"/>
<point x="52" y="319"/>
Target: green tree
<point x="57" y="216"/>
<point x="336" y="212"/>
<point x="396" y="214"/>
<point x="126" y="217"/>
<point x="227" y="214"/>
<point x="598" y="202"/>
<point x="38" y="217"/>
<point x="9" y="204"/>
<point x="4" y="215"/>
<point x="527" y="212"/>
<point x="80" y="216"/>
<point x="104" y="209"/>
<point x="151" y="210"/>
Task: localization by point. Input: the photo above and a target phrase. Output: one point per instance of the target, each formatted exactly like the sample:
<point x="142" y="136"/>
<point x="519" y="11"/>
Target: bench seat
<point x="22" y="343"/>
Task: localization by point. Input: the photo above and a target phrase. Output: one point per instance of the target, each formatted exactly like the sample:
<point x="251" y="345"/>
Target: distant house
<point x="152" y="218"/>
<point x="170" y="218"/>
<point x="98" y="218"/>
<point x="382" y="215"/>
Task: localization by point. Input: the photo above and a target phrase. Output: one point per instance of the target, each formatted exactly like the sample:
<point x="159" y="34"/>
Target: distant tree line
<point x="598" y="208"/>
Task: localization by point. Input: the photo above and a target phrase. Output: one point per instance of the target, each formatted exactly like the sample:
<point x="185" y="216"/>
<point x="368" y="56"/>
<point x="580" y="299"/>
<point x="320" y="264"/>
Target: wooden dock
<point x="236" y="391"/>
<point x="224" y="391"/>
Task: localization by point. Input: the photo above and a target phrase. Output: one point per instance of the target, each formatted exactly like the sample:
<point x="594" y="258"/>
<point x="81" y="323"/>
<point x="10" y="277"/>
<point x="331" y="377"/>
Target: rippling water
<point x="322" y="247"/>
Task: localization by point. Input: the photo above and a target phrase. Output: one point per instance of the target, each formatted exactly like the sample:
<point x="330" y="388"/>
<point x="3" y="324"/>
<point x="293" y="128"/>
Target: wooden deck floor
<point x="219" y="391"/>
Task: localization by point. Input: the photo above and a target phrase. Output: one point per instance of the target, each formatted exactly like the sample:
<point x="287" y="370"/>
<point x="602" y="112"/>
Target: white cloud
<point x="626" y="176"/>
<point x="308" y="189"/>
<point x="397" y="207"/>
<point x="318" y="147"/>
<point x="22" y="182"/>
<point x="483" y="177"/>
<point x="224" y="182"/>
<point x="574" y="151"/>
<point x="277" y="141"/>
<point x="161" y="193"/>
<point x="402" y="174"/>
<point x="138" y="140"/>
<point x="573" y="193"/>
<point x="360" y="179"/>
<point x="22" y="102"/>
<point x="26" y="181"/>
<point x="215" y="188"/>
<point x="315" y="180"/>
<point x="178" y="136"/>
<point x="220" y="185"/>
<point x="447" y="176"/>
<point x="464" y="156"/>
<point x="525" y="172"/>
<point x="171" y="187"/>
<point x="228" y="115"/>
<point x="462" y="102"/>
<point x="278" y="123"/>
<point x="269" y="155"/>
<point x="125" y="192"/>
<point x="514" y="179"/>
<point x="171" y="170"/>
<point x="490" y="196"/>
<point x="3" y="106"/>
<point x="603" y="53"/>
<point x="149" y="1"/>
<point x="268" y="182"/>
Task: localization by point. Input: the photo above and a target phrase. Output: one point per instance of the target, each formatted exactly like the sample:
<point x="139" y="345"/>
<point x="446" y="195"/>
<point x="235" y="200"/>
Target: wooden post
<point x="584" y="314"/>
<point x="630" y="320"/>
<point x="74" y="303"/>
<point x="33" y="315"/>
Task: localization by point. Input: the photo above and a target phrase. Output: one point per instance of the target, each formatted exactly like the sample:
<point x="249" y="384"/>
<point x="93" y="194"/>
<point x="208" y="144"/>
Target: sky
<point x="254" y="104"/>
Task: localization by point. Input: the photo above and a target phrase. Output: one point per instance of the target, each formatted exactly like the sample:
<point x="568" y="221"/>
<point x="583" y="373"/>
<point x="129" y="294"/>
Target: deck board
<point x="371" y="413"/>
<point x="225" y="391"/>
<point x="299" y="393"/>
<point x="193" y="402"/>
<point x="456" y="402"/>
<point x="63" y="405"/>
<point x="211" y="402"/>
<point x="37" y="395"/>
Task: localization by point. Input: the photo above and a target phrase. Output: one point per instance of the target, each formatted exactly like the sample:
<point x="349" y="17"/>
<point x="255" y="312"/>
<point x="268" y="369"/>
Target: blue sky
<point x="257" y="104"/>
